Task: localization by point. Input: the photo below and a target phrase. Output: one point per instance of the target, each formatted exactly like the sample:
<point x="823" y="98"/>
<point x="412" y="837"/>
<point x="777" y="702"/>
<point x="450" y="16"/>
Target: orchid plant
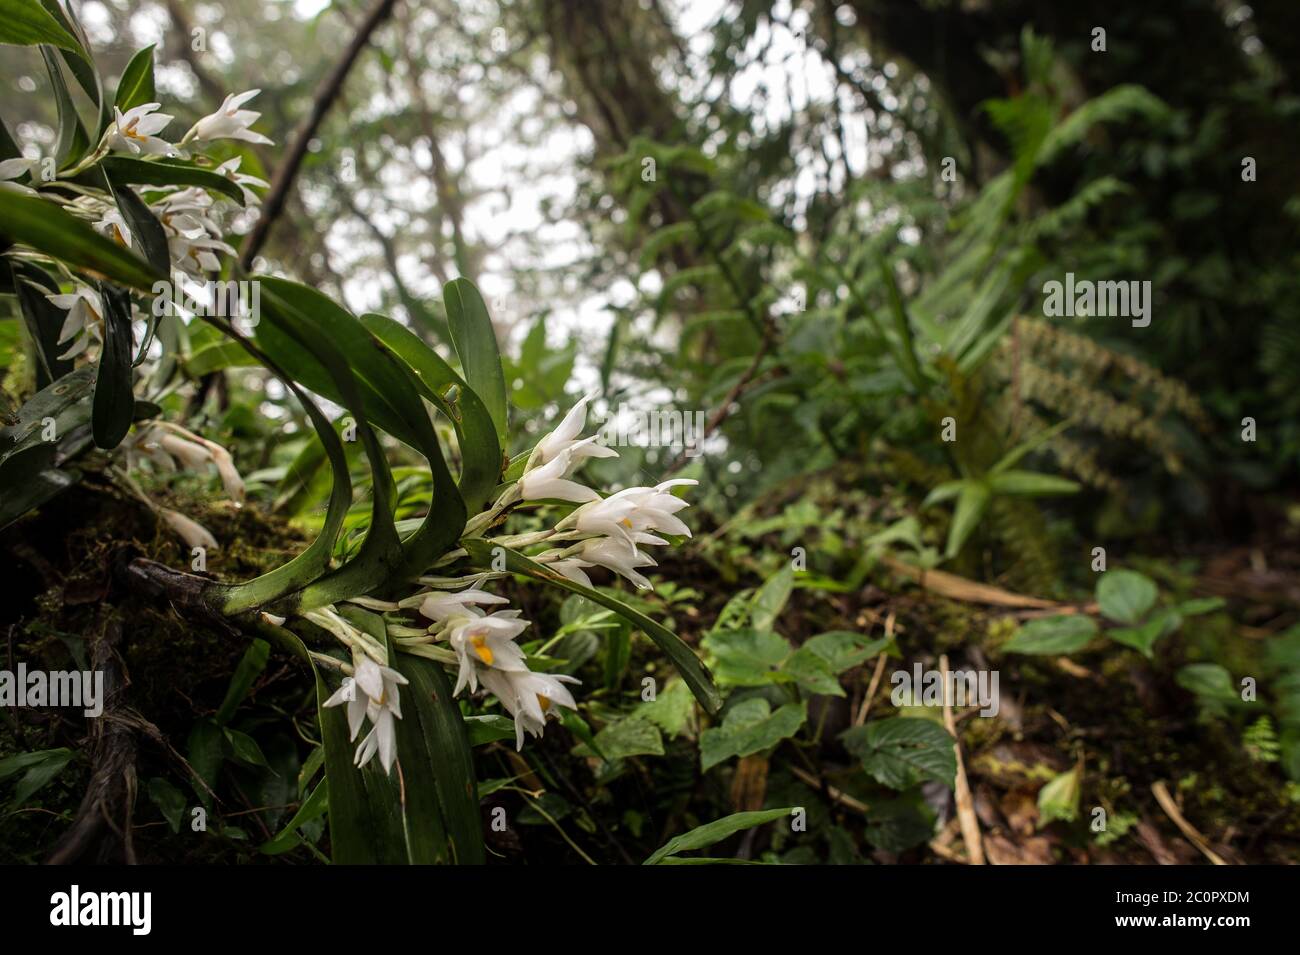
<point x="87" y="238"/>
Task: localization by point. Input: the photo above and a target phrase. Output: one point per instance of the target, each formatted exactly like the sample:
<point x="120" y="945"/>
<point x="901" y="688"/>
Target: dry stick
<point x="325" y="96"/>
<point x="970" y="826"/>
<point x="836" y="795"/>
<point x="1161" y="792"/>
<point x="875" y="677"/>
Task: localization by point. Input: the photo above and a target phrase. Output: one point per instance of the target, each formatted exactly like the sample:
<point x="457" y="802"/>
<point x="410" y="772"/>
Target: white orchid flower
<point x="440" y="606"/>
<point x="485" y="643"/>
<point x="133" y="131"/>
<point x="114" y="226"/>
<point x="614" y="555"/>
<point x="565" y="439"/>
<point x="529" y="697"/>
<point x="11" y="169"/>
<point x="550" y="481"/>
<point x="572" y="568"/>
<point x="229" y="122"/>
<point x="378" y="700"/>
<point x="85" y="319"/>
<point x="631" y="515"/>
<point x="230" y="169"/>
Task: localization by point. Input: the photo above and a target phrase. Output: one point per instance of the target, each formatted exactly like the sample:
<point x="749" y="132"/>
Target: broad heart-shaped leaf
<point x="813" y="673"/>
<point x="27" y="23"/>
<point x="1059" y="634"/>
<point x="747" y="657"/>
<point x="135" y="88"/>
<point x="714" y="832"/>
<point x="476" y="345"/>
<point x="1125" y="595"/>
<point x="842" y="649"/>
<point x="40" y="224"/>
<point x="694" y="672"/>
<point x="441" y="811"/>
<point x="749" y="727"/>
<point x="114" y="402"/>
<point x="900" y="752"/>
<point x="1144" y="636"/>
<point x="168" y="172"/>
<point x="479" y="448"/>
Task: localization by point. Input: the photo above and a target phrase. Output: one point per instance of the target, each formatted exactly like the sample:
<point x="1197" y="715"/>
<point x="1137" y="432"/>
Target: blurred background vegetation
<point x="827" y="226"/>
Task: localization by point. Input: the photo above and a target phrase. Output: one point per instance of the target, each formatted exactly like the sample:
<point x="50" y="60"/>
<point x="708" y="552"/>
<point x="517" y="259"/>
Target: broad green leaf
<point x="1209" y="681"/>
<point x="749" y="727"/>
<point x="1065" y="633"/>
<point x="476" y="344"/>
<point x="695" y="673"/>
<point x="1125" y="595"/>
<point x="746" y="657"/>
<point x="27" y="23"/>
<point x="813" y="673"/>
<point x="40" y="224"/>
<point x="1143" y="637"/>
<point x="135" y="88"/>
<point x="631" y="736"/>
<point x="842" y="649"/>
<point x="900" y="752"/>
<point x="771" y="599"/>
<point x="671" y="710"/>
<point x="713" y="833"/>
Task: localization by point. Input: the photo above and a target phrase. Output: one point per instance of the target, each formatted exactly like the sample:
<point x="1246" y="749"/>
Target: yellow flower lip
<point x="481" y="648"/>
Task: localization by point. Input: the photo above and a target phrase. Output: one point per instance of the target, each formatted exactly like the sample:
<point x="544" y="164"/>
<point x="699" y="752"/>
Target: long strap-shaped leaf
<point x="476" y="345"/>
<point x="441" y="810"/>
<point x="380" y="556"/>
<point x="479" y="448"/>
<point x="693" y="671"/>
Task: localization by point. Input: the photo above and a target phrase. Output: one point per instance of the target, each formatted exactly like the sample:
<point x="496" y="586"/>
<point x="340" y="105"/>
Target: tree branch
<point x="325" y="96"/>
